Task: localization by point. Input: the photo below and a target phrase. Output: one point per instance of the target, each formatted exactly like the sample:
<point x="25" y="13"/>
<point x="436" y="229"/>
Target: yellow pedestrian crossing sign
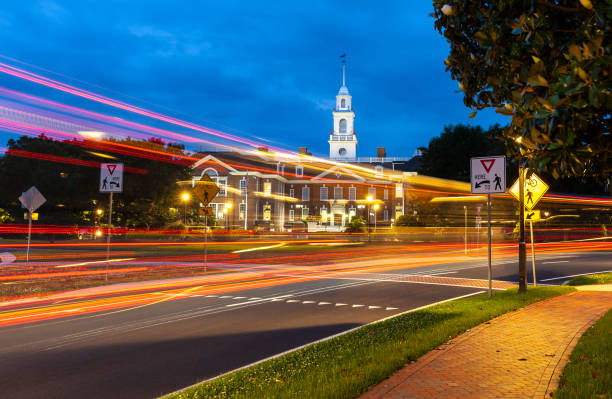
<point x="533" y="216"/>
<point x="205" y="190"/>
<point x="534" y="190"/>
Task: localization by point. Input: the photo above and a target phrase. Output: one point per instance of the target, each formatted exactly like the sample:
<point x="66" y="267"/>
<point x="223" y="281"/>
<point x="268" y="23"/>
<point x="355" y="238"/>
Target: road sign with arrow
<point x="111" y="177"/>
<point x="533" y="216"/>
<point x="535" y="188"/>
<point x="205" y="190"/>
<point x="488" y="175"/>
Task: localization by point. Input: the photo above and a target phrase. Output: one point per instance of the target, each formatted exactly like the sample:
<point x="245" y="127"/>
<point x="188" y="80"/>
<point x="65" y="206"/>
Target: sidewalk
<point x="517" y="355"/>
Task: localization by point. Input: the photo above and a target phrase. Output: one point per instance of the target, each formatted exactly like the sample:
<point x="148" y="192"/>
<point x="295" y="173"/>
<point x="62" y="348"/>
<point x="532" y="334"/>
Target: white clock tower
<point x="342" y="140"/>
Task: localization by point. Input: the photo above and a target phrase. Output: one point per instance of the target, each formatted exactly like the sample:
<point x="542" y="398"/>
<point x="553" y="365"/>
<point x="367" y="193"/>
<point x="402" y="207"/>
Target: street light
<point x="185" y="197"/>
<point x="99" y="212"/>
<point x="228" y="206"/>
<point x="369" y="199"/>
<point x="375" y="209"/>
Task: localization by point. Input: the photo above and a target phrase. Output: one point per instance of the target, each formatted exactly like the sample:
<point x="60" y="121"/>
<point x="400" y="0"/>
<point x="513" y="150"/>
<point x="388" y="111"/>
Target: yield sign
<point x="487" y="164"/>
<point x="111" y="167"/>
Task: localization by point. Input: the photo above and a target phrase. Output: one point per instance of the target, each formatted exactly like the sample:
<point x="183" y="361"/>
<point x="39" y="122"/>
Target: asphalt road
<point x="149" y="350"/>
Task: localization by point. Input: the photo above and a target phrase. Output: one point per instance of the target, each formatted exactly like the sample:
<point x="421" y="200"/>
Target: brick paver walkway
<point x="517" y="355"/>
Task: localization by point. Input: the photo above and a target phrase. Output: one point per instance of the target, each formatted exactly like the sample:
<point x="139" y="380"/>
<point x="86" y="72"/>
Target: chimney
<point x="380" y="152"/>
<point x="262" y="149"/>
<point x="304" y="151"/>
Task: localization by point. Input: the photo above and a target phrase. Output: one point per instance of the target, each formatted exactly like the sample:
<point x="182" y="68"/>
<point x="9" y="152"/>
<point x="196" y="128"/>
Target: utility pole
<point x="246" y="199"/>
<point x="522" y="248"/>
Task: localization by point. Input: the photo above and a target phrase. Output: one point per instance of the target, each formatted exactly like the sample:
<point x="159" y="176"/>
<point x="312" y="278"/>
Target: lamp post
<point x="228" y="207"/>
<point x="465" y="230"/>
<point x="185" y="197"/>
<point x="369" y="199"/>
<point x="376" y="206"/>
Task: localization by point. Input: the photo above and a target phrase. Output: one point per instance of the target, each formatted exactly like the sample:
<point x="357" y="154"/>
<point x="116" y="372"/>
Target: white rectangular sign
<point x="111" y="177"/>
<point x="488" y="175"/>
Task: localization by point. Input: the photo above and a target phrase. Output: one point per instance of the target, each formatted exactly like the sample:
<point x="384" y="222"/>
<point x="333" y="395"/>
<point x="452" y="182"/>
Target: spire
<point x="343" y="89"/>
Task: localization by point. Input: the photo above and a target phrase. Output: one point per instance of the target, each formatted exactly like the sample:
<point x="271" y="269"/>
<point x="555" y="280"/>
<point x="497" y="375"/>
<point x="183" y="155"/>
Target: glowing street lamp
<point x="185" y="197"/>
<point x="228" y="206"/>
<point x="99" y="212"/>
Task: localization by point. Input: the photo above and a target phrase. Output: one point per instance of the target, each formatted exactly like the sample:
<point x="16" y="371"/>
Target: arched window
<point x="210" y="172"/>
<point x="342" y="125"/>
<point x="343" y="103"/>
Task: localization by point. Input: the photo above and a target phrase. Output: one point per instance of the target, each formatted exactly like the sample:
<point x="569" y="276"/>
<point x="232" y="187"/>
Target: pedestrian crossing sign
<point x="534" y="190"/>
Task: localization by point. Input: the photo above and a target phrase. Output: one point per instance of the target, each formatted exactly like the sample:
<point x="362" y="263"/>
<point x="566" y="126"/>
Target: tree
<point x="448" y="156"/>
<point x="67" y="175"/>
<point x="356" y="225"/>
<point x="545" y="63"/>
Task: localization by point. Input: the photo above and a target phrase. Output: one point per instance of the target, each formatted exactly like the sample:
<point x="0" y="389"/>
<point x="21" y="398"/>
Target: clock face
<point x="342" y="151"/>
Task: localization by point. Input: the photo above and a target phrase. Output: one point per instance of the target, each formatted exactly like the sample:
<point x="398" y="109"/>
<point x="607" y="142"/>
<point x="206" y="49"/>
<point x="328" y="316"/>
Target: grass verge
<point x="347" y="365"/>
<point x="592" y="279"/>
<point x="588" y="374"/>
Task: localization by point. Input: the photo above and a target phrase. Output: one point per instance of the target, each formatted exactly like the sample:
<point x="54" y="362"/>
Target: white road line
<point x="292" y="301"/>
<point x="341" y="304"/>
<point x="225" y="297"/>
<point x="323" y="340"/>
<point x="253" y="300"/>
<point x="576" y="275"/>
<point x="390" y="308"/>
<point x="212" y="296"/>
<point x="324" y="303"/>
<point x="239" y="297"/>
<point x="307" y="302"/>
<point x="357" y="306"/>
<point x="373" y="307"/>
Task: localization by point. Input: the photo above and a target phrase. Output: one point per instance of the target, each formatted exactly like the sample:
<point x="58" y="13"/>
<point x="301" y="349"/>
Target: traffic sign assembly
<point x="533" y="216"/>
<point x="488" y="174"/>
<point x="534" y="190"/>
<point x="205" y="190"/>
<point x="111" y="177"/>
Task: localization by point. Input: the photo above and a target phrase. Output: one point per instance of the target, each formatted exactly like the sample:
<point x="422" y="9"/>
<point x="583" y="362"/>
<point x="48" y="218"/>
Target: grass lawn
<point x="592" y="279"/>
<point x="347" y="365"/>
<point x="588" y="374"/>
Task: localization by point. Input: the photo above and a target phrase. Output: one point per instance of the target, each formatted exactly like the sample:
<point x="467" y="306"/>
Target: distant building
<point x="273" y="190"/>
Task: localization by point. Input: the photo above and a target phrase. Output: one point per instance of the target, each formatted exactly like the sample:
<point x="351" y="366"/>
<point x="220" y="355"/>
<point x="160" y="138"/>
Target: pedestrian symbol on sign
<point x="111" y="177"/>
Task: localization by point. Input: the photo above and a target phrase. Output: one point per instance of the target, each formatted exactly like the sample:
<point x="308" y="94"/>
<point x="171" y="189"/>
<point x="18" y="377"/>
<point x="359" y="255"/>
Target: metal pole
<point x="374" y="220"/>
<point x="532" y="254"/>
<point x="246" y="199"/>
<point x="465" y="231"/>
<point x="205" y="241"/>
<point x="368" y="222"/>
<point x="489" y="233"/>
<point x="185" y="212"/>
<point x="29" y="235"/>
<point x="108" y="234"/>
<point x="522" y="250"/>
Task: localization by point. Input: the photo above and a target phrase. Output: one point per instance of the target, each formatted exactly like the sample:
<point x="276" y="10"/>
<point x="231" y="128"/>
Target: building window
<point x="379" y="170"/>
<point x="299" y="171"/>
<point x="241" y="211"/>
<point x="267" y="188"/>
<point x="386" y="215"/>
<point x="323" y="194"/>
<point x="222" y="184"/>
<point x="217" y="210"/>
<point x="386" y="194"/>
<point x="305" y="194"/>
<point x="304" y="213"/>
<point x="280" y="169"/>
<point x="267" y="212"/>
<point x="291" y="215"/>
<point x="292" y="193"/>
<point x="338" y="193"/>
<point x="372" y="192"/>
<point x="352" y="193"/>
<point x="243" y="186"/>
<point x="399" y="192"/>
<point x="342" y="125"/>
<point x="352" y="213"/>
<point x="323" y="215"/>
<point x="343" y="103"/>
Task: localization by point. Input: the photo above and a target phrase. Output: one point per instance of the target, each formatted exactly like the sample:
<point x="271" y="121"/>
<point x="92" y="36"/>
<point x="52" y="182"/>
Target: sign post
<point x="111" y="181"/>
<point x="534" y="189"/>
<point x="31" y="200"/>
<point x="205" y="190"/>
<point x="488" y="175"/>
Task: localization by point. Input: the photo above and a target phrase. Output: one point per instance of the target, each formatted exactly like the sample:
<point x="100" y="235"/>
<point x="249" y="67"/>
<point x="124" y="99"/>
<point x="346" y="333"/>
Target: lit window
<point x="291" y="215"/>
<point x="267" y="212"/>
<point x="338" y="194"/>
<point x="292" y="193"/>
<point x="243" y="187"/>
<point x="379" y="170"/>
<point x="372" y="192"/>
<point x="299" y="171"/>
<point x="304" y="213"/>
<point x="399" y="193"/>
<point x="386" y="215"/>
<point x="386" y="194"/>
<point x="267" y="188"/>
<point x="323" y="194"/>
<point x="222" y="184"/>
<point x="305" y="194"/>
<point x="241" y="211"/>
<point x="352" y="193"/>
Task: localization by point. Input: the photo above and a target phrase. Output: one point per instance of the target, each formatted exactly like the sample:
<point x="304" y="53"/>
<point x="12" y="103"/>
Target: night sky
<point x="265" y="70"/>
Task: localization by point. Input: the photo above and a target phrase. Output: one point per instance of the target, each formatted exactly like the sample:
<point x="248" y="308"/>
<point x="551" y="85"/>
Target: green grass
<point x="592" y="279"/>
<point x="346" y="366"/>
<point x="588" y="374"/>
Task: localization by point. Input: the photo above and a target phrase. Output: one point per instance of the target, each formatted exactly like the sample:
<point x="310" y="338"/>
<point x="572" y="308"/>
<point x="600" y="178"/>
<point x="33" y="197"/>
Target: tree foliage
<point x="70" y="185"/>
<point x="448" y="156"/>
<point x="545" y="63"/>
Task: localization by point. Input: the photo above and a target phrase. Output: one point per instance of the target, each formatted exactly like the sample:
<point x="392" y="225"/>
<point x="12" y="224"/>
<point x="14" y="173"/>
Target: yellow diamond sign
<point x="535" y="188"/>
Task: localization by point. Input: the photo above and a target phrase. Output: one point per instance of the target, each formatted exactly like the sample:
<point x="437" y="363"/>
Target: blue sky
<point x="266" y="69"/>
